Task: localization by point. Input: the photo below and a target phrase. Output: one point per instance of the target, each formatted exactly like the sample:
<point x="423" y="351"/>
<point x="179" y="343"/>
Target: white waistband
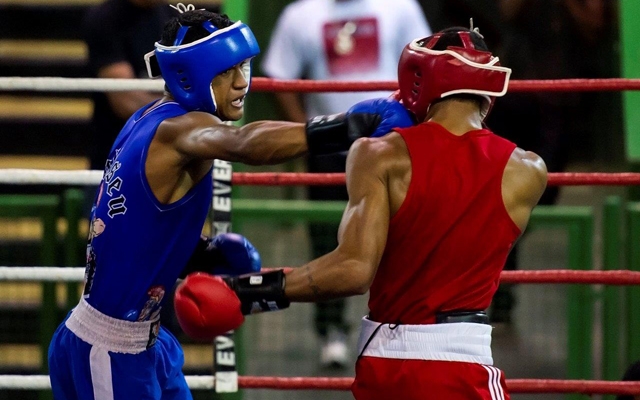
<point x="112" y="334"/>
<point x="460" y="341"/>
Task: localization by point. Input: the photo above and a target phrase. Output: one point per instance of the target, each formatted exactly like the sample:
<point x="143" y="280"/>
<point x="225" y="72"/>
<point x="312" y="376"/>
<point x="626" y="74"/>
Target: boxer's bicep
<point x="349" y="269"/>
<point x="203" y="136"/>
<point x="365" y="222"/>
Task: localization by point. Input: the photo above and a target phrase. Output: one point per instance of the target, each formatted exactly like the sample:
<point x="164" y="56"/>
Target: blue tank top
<point x="137" y="246"/>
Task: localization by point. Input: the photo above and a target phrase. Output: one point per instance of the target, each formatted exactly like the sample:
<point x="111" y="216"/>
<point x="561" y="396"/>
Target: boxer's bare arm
<point x="523" y="181"/>
<point x="351" y="267"/>
<point x="198" y="135"/>
<point x="124" y="104"/>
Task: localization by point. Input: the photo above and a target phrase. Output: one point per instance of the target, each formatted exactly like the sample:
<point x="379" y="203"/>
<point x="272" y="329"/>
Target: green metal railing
<point x="73" y="242"/>
<point x="44" y="207"/>
<point x="48" y="208"/>
<point x="633" y="292"/>
<point x="612" y="317"/>
<point x="578" y="222"/>
<point x="621" y="305"/>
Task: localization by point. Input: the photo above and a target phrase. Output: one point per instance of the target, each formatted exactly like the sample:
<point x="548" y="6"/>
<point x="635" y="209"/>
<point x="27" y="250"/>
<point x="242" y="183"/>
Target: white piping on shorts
<point x="101" y="377"/>
<point x="495" y="386"/>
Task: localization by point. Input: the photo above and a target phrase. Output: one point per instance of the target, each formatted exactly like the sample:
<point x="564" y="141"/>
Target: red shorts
<point x="389" y="378"/>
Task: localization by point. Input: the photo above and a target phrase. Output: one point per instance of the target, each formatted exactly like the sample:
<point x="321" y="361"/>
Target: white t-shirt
<point x="350" y="40"/>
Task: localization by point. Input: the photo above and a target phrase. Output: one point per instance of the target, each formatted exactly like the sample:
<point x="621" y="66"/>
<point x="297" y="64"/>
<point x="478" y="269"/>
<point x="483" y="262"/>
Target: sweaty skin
<point x="378" y="189"/>
<point x="183" y="149"/>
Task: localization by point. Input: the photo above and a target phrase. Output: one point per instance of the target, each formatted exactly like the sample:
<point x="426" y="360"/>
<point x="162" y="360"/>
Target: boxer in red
<point x="433" y="211"/>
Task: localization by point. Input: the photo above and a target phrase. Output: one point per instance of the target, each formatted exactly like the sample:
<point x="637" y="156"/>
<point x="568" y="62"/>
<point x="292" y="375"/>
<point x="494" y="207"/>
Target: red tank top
<point x="449" y="240"/>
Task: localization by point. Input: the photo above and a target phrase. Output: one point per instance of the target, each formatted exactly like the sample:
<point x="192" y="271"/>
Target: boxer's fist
<point x="370" y="118"/>
<point x="237" y="255"/>
<point x="206" y="307"/>
<point x="377" y="117"/>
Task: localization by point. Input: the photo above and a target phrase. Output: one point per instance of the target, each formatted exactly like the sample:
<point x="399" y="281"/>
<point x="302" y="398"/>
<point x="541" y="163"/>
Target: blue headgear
<point x="188" y="69"/>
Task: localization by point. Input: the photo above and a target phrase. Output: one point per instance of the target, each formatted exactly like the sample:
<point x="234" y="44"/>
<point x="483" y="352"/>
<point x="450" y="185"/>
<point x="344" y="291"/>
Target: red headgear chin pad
<point x="206" y="307"/>
<point x="426" y="75"/>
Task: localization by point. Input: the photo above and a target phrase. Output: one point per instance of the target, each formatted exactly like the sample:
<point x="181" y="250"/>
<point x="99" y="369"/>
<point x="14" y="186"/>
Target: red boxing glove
<point x="206" y="307"/>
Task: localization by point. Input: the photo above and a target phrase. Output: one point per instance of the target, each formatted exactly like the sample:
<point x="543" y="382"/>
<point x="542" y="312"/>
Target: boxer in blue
<point x="153" y="200"/>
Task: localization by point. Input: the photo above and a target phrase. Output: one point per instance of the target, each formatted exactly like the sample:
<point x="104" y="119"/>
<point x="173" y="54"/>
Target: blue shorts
<point x="81" y="371"/>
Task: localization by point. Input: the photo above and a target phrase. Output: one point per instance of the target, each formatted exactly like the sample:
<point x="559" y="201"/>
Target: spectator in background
<point x="118" y="34"/>
<point x="346" y="40"/>
<point x="542" y="39"/>
<point x="631" y="374"/>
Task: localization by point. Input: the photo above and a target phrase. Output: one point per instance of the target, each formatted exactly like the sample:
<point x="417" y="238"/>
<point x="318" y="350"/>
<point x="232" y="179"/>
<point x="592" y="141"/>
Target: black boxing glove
<point x="370" y="118"/>
<point x="261" y="292"/>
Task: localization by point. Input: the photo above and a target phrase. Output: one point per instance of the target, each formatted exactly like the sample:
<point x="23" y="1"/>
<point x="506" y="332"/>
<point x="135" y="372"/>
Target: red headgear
<point x="426" y="75"/>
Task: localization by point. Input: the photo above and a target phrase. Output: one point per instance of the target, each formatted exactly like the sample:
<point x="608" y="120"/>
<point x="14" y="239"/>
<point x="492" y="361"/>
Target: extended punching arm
<point x="370" y="118"/>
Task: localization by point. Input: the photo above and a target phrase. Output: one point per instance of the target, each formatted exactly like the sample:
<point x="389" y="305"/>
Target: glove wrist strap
<point x="327" y="134"/>
<point x="260" y="292"/>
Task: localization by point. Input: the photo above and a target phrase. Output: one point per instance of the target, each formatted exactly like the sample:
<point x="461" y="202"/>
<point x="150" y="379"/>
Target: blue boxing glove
<point x="370" y="118"/>
<point x="225" y="254"/>
<point x="238" y="255"/>
<point x="386" y="114"/>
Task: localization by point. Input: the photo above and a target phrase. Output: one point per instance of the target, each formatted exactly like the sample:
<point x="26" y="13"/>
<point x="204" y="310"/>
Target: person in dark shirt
<point x="118" y="34"/>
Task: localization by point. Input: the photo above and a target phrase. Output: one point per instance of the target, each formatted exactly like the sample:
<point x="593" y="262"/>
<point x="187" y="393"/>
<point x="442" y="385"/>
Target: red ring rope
<point x="620" y="277"/>
<point x="555" y="178"/>
<point x="567" y="276"/>
<point x="514" y="385"/>
<point x="549" y="85"/>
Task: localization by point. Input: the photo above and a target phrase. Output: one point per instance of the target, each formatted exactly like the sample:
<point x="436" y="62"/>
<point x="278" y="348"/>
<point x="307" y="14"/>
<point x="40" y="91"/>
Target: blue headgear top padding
<point x="188" y="69"/>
